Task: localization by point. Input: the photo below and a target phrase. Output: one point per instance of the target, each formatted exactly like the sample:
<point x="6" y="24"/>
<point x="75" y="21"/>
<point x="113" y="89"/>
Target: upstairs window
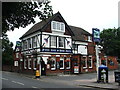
<point x="58" y="26"/>
<point x="25" y="44"/>
<point x="29" y="43"/>
<point x="53" y="41"/>
<point x="61" y="42"/>
<point x="34" y="42"/>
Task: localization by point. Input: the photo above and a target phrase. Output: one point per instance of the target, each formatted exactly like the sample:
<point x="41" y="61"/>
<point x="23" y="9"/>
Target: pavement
<point x="85" y="80"/>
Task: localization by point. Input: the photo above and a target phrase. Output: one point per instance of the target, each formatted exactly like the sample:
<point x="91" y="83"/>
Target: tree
<point x="110" y="40"/>
<point x="7" y="51"/>
<point x="21" y="14"/>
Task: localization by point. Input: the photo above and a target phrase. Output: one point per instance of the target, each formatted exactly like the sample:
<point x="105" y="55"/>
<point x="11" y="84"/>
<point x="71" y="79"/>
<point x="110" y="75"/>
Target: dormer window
<point x="58" y="26"/>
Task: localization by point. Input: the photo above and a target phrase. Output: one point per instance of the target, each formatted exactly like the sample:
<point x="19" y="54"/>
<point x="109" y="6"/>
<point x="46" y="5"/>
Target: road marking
<point x="34" y="87"/>
<point x="4" y="78"/>
<point x="18" y="82"/>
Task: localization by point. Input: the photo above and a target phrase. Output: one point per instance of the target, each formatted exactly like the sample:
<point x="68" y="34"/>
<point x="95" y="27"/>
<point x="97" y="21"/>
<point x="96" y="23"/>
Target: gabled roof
<point x="79" y="33"/>
<point x="41" y="25"/>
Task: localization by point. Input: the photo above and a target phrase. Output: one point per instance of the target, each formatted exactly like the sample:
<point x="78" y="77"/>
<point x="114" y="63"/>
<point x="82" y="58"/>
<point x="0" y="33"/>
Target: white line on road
<point x="34" y="87"/>
<point x="18" y="82"/>
<point x="4" y="78"/>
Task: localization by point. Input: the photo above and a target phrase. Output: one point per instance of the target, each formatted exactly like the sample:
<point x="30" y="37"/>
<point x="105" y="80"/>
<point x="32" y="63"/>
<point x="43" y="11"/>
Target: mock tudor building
<point x="52" y="46"/>
<point x="47" y="46"/>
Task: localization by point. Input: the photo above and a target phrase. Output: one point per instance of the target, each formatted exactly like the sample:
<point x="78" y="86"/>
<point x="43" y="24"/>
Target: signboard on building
<point x="96" y="34"/>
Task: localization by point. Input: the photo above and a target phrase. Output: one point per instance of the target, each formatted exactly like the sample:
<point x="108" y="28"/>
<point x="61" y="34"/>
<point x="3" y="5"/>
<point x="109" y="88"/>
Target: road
<point x="15" y="80"/>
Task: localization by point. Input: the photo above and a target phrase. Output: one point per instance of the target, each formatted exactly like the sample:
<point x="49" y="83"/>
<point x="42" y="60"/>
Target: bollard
<point x="37" y="74"/>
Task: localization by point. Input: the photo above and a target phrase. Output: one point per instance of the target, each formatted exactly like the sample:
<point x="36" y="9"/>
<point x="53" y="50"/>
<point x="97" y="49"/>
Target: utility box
<point x="103" y="74"/>
<point x="117" y="76"/>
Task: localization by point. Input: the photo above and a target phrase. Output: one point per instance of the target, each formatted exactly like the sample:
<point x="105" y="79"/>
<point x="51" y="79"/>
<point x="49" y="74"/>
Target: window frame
<point x="62" y="41"/>
<point x="68" y="58"/>
<point x="62" y="59"/>
<point x="34" y="63"/>
<point x="25" y="64"/>
<point x="84" y="67"/>
<point x="53" y="68"/>
<point x="17" y="55"/>
<point x="29" y="43"/>
<point x="57" y="26"/>
<point x="34" y="42"/>
<point x="29" y="63"/>
<point x="90" y="58"/>
<point x="55" y="39"/>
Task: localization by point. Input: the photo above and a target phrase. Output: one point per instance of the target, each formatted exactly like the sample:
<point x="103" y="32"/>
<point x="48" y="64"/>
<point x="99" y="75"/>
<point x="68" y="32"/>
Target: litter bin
<point x="103" y="74"/>
<point x="117" y="77"/>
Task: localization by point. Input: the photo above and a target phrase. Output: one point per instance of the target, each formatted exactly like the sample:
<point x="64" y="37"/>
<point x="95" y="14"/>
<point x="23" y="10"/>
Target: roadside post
<point x="37" y="74"/>
<point x="96" y="39"/>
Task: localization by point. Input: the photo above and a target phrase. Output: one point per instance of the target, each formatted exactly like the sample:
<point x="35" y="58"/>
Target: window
<point x="53" y="63"/>
<point x="25" y="64"/>
<point x="29" y="63"/>
<point x="15" y="63"/>
<point x="34" y="42"/>
<point x="53" y="41"/>
<point x="34" y="63"/>
<point x="62" y="27"/>
<point x="57" y="26"/>
<point x="67" y="63"/>
<point x="29" y="43"/>
<point x="89" y="38"/>
<point x="90" y="62"/>
<point x="61" y="42"/>
<point x="25" y="44"/>
<point x="61" y="63"/>
<point x="84" y="62"/>
<point x="17" y="55"/>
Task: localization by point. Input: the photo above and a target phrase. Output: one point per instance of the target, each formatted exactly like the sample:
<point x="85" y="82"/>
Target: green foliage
<point x="7" y="51"/>
<point x="110" y="40"/>
<point x="21" y="14"/>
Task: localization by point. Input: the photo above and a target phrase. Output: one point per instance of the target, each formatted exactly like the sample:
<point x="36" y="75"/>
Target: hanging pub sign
<point x="96" y="34"/>
<point x="18" y="43"/>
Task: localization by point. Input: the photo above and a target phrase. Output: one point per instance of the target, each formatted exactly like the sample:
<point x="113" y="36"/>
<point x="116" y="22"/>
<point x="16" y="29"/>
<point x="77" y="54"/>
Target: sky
<point x="87" y="14"/>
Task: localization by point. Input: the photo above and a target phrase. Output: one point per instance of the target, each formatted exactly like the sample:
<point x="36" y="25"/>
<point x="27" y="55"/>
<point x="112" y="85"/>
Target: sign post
<point x="96" y="39"/>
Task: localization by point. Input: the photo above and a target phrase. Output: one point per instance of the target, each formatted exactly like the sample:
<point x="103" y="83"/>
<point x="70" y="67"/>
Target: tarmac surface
<point x="86" y="80"/>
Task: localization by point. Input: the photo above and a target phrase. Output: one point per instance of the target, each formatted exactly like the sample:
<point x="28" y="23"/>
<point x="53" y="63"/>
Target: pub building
<point x="52" y="46"/>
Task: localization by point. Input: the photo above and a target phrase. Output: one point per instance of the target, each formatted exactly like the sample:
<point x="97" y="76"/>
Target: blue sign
<point x="96" y="34"/>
